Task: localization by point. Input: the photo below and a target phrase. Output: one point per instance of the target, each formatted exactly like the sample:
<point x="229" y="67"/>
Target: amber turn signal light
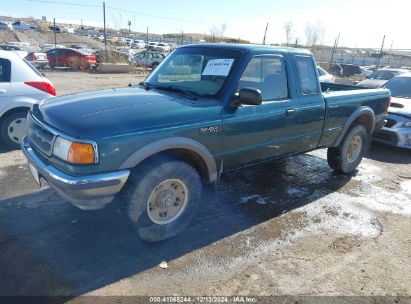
<point x="81" y="153"/>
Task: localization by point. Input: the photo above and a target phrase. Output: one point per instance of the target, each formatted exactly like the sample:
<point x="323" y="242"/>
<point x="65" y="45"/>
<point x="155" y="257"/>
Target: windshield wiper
<point x="145" y="84"/>
<point x="171" y="88"/>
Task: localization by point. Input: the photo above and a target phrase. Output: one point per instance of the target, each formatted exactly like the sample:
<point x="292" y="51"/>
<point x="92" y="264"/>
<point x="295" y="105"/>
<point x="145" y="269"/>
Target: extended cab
<point x="205" y="110"/>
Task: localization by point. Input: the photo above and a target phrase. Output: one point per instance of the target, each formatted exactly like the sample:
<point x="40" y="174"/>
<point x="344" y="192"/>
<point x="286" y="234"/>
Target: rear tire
<point x="347" y="156"/>
<point x="13" y="129"/>
<point x="162" y="197"/>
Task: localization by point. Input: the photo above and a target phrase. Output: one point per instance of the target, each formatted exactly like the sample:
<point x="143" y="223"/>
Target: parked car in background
<point x="138" y="44"/>
<point x="74" y="59"/>
<point x="336" y="69"/>
<point x="350" y="69"/>
<point x="324" y="76"/>
<point x="48" y="46"/>
<point x="397" y="130"/>
<point x="38" y="59"/>
<point x="151" y="45"/>
<point x="55" y="29"/>
<point x="367" y="70"/>
<point x="21" y="85"/>
<point x="148" y="59"/>
<point x="15" y="49"/>
<point x="21" y="25"/>
<point x="83" y="47"/>
<point x="4" y="26"/>
<point x="380" y="77"/>
<point x="162" y="47"/>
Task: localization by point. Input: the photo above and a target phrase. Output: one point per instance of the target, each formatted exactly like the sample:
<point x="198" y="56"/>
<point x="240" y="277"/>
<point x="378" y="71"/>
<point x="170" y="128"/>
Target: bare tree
<point x="288" y="28"/>
<point x="218" y="31"/>
<point x="314" y="33"/>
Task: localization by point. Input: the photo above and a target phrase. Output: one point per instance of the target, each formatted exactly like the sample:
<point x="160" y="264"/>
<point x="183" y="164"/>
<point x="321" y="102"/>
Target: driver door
<point x="256" y="133"/>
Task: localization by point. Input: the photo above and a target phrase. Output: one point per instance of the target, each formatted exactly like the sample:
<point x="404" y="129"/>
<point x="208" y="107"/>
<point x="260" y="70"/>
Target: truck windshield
<point x="202" y="71"/>
<point x="400" y="87"/>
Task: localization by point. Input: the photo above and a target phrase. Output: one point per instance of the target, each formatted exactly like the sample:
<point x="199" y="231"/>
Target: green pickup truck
<point x="205" y="110"/>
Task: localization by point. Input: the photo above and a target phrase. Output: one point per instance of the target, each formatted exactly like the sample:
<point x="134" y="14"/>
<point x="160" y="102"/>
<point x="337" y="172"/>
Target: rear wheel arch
<point x="11" y="111"/>
<point x="180" y="148"/>
<point x="362" y="116"/>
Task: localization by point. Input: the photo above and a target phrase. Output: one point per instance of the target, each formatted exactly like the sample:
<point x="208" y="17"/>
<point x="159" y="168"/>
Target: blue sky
<point x="361" y="23"/>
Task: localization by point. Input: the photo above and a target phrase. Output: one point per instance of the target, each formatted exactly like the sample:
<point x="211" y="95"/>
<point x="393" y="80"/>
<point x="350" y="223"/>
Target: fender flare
<point x="364" y="110"/>
<point x="173" y="143"/>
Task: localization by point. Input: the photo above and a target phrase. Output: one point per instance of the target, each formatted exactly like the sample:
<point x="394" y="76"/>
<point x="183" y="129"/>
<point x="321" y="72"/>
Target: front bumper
<point x="86" y="192"/>
<point x="393" y="137"/>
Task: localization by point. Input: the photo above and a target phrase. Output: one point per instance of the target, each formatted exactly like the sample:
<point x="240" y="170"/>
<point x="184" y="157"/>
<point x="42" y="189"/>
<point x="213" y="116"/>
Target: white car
<point x="138" y="44"/>
<point x="324" y="76"/>
<point x="162" y="47"/>
<point x="21" y="85"/>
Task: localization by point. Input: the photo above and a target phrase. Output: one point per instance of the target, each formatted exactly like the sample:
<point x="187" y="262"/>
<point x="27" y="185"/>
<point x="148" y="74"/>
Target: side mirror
<point x="247" y="96"/>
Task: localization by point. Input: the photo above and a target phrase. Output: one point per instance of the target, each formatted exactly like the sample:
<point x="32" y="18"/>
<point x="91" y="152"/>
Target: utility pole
<point x="389" y="55"/>
<point x="105" y="31"/>
<point x="380" y="55"/>
<point x="334" y="48"/>
<point x="265" y="33"/>
<point x="182" y="37"/>
<point x="129" y="24"/>
<point x="55" y="37"/>
<point x="147" y="36"/>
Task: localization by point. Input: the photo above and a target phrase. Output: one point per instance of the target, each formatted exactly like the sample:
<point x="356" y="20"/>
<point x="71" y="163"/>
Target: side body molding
<point x="173" y="143"/>
<point x="357" y="113"/>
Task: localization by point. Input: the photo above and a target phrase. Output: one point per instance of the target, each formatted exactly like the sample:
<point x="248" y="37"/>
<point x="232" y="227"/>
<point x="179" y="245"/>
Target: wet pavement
<point x="49" y="247"/>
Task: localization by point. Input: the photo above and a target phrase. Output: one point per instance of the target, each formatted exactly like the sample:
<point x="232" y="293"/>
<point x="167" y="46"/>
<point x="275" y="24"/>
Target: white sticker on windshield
<point x="218" y="67"/>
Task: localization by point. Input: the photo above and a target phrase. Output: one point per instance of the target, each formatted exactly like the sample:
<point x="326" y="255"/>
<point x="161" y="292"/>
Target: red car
<point x="75" y="59"/>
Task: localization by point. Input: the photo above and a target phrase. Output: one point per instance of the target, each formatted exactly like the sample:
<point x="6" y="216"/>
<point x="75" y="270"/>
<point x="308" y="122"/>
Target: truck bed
<point x="339" y="87"/>
<point x="343" y="100"/>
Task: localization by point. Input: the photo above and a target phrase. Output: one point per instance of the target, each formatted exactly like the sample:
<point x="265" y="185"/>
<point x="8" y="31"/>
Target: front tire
<point x="13" y="129"/>
<point x="162" y="197"/>
<point x="347" y="156"/>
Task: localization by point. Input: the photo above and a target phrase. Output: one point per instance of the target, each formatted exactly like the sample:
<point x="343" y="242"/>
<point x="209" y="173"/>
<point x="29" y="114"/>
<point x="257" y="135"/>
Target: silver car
<point x="378" y="78"/>
<point x="397" y="130"/>
<point x="148" y="59"/>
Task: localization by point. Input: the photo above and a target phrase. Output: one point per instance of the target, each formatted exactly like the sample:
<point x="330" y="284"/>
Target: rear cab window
<point x="268" y="74"/>
<point x="307" y="76"/>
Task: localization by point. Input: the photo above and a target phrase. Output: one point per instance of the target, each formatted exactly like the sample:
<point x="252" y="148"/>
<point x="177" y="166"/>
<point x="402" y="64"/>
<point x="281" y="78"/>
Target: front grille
<point x="39" y="136"/>
<point x="390" y="123"/>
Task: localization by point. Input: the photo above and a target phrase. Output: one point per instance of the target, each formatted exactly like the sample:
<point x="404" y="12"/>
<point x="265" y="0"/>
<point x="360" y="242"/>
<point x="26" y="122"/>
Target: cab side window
<point x="307" y="75"/>
<point x="5" y="70"/>
<point x="267" y="74"/>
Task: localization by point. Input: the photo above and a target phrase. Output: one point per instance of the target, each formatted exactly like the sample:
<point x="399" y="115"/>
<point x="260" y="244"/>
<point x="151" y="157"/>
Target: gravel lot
<point x="291" y="227"/>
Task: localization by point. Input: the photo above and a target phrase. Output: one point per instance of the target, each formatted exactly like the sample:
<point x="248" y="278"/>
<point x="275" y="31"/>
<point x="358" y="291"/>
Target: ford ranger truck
<point x="204" y="111"/>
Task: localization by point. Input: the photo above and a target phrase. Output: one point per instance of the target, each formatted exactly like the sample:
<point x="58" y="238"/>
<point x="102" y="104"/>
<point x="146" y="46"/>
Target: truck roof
<point x="258" y="48"/>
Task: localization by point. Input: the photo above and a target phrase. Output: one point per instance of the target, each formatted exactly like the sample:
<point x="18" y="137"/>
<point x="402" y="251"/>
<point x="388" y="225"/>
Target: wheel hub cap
<point x="17" y="129"/>
<point x="167" y="201"/>
<point x="354" y="148"/>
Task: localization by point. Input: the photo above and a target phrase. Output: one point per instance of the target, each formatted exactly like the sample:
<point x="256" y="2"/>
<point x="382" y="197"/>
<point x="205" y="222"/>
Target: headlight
<point x="407" y="124"/>
<point x="74" y="152"/>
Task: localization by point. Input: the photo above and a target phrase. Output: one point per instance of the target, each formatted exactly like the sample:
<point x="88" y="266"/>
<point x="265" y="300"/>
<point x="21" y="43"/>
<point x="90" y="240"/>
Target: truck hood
<point x="401" y="106"/>
<point x="113" y="112"/>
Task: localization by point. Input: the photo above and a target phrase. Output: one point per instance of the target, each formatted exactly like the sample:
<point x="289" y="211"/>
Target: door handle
<point x="3" y="91"/>
<point x="290" y="112"/>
